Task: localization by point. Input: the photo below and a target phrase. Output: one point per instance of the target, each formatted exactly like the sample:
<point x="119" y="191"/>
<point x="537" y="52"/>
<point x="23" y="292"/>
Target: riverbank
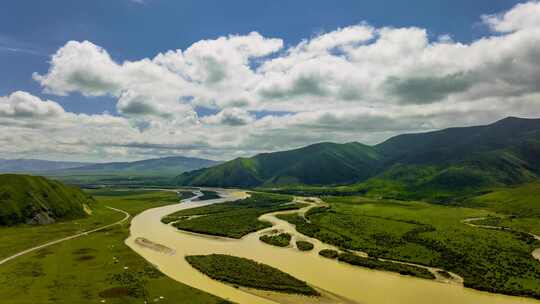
<point x="360" y="284"/>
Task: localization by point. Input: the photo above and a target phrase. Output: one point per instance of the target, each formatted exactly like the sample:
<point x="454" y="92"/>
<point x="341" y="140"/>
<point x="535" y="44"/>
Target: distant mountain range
<point x="167" y="166"/>
<point x="35" y="165"/>
<point x="434" y="163"/>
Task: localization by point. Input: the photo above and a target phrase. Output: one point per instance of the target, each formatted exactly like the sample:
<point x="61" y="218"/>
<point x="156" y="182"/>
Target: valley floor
<point x="93" y="268"/>
<point x="350" y="282"/>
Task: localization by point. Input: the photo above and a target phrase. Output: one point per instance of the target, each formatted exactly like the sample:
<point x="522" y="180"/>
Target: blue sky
<point x="132" y="30"/>
<point x="107" y="80"/>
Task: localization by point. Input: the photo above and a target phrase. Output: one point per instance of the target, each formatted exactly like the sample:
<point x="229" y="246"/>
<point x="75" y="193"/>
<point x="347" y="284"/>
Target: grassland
<point x="232" y="219"/>
<point x="91" y="268"/>
<point x="248" y="273"/>
<point x="431" y="235"/>
<point x="280" y="240"/>
<point x="521" y="202"/>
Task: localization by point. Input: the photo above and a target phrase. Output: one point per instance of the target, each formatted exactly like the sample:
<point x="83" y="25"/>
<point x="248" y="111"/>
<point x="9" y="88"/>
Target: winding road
<point x="469" y="221"/>
<point x="68" y="237"/>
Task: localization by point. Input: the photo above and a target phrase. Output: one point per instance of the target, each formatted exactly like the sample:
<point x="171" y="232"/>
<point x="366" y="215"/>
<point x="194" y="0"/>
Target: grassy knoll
<point x="35" y="199"/>
<point x="432" y="235"/>
<point x="304" y="246"/>
<point x="280" y="240"/>
<point x="232" y="219"/>
<point x="94" y="267"/>
<point x="248" y="273"/>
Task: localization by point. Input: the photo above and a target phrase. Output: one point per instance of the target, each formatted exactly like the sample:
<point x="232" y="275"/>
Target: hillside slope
<point x="446" y="163"/>
<point x="435" y="164"/>
<point x="318" y="164"/>
<point x="35" y="199"/>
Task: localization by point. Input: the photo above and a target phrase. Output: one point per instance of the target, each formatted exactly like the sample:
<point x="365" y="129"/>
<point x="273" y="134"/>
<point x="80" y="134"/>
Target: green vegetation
<point x="208" y="195"/>
<point x="232" y="219"/>
<point x="319" y="164"/>
<point x="92" y="268"/>
<point x="304" y="246"/>
<point x="432" y="235"/>
<point x="447" y="166"/>
<point x="248" y="273"/>
<point x="35" y="199"/>
<point x="373" y="263"/>
<point x="280" y="240"/>
<point x="329" y="253"/>
<point x="520" y="202"/>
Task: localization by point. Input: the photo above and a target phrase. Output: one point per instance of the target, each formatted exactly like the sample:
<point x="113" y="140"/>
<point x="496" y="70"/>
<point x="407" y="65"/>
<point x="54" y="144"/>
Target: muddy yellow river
<point x="346" y="284"/>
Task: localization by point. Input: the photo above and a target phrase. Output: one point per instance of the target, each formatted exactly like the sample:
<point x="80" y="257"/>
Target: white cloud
<point x="230" y="117"/>
<point x="21" y="104"/>
<point x="522" y="16"/>
<point x="355" y="83"/>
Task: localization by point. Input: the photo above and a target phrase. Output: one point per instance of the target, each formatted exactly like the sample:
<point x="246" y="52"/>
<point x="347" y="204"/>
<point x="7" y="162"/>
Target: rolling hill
<point x="37" y="200"/>
<point x="432" y="164"/>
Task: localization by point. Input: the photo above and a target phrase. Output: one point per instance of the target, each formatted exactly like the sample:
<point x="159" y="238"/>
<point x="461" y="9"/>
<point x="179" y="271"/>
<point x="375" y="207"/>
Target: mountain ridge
<point x="505" y="152"/>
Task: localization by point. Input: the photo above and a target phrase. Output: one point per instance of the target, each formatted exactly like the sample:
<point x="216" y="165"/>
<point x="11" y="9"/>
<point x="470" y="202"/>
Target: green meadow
<point x="431" y="235"/>
<point x="231" y="219"/>
<point x="91" y="268"/>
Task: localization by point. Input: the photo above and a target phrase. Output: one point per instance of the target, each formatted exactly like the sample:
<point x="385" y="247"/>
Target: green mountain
<point x="437" y="164"/>
<point x="447" y="163"/>
<point x="35" y="199"/>
<point x="318" y="164"/>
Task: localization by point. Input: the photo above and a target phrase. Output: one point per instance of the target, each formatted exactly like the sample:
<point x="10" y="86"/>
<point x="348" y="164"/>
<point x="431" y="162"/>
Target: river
<point x="343" y="283"/>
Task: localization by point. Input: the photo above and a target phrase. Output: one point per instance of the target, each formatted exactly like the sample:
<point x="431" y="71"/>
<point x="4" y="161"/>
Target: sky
<point x="114" y="80"/>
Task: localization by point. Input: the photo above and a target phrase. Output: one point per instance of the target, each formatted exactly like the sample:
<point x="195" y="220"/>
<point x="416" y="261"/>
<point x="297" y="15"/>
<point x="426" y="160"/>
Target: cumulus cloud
<point x="230" y="117"/>
<point x="22" y="105"/>
<point x="354" y="83"/>
<point x="522" y="16"/>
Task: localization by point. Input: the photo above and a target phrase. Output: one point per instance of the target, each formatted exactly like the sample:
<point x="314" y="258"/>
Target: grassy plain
<point x="248" y="273"/>
<point x="431" y="235"/>
<point x="92" y="268"/>
<point x="232" y="219"/>
<point x="522" y="202"/>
